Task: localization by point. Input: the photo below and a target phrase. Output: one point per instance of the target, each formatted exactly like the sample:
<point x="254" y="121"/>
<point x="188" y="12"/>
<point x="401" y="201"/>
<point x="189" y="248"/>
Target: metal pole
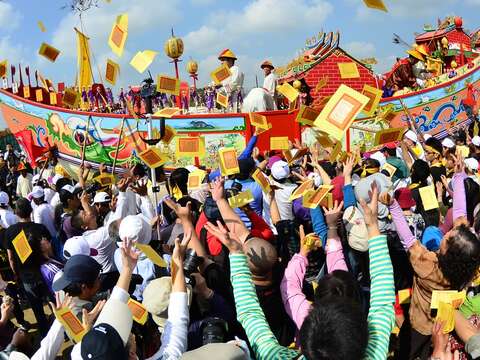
<point x="85" y="139"/>
<point x="118" y="146"/>
<point x="153" y="174"/>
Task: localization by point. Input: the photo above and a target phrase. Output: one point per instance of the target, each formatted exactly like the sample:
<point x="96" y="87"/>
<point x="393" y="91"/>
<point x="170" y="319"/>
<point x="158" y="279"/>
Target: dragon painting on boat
<point x="320" y="69"/>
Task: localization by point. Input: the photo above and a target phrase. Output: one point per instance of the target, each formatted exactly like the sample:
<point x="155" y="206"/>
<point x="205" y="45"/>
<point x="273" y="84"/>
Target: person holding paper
<point x="451" y="268"/>
<point x="233" y="85"/>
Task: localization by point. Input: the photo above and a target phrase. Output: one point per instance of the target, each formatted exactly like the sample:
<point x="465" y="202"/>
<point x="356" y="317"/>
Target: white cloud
<point x="9" y="17"/>
<point x="14" y="52"/>
<point x="360" y="49"/>
<point x="205" y="39"/>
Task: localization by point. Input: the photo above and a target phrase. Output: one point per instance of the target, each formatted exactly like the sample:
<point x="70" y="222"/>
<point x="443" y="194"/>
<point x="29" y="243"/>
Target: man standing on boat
<point x="264" y="98"/>
<point x="233" y="85"/>
<point x="402" y="75"/>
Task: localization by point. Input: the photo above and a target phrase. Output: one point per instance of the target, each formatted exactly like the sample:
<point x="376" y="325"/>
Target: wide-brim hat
<point x="227" y="54"/>
<point x="422" y="49"/>
<point x="416" y="54"/>
<point x="267" y="63"/>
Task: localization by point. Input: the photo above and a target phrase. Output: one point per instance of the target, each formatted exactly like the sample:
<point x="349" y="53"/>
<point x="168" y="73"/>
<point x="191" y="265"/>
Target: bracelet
<point x="332" y="228"/>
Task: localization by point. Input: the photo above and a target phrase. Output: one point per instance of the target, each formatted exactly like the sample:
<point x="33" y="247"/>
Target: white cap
<point x="471" y="164"/>
<point x="77" y="245"/>
<point x="448" y="143"/>
<point x="101" y="197"/>
<point x="4" y="199"/>
<point x="476" y="140"/>
<point x="280" y="170"/>
<point x="427" y="136"/>
<point x="37" y="192"/>
<point x="35" y="179"/>
<point x="16" y="355"/>
<point x="379" y="157"/>
<point x="55" y="178"/>
<point x="135" y="228"/>
<point x="411" y="135"/>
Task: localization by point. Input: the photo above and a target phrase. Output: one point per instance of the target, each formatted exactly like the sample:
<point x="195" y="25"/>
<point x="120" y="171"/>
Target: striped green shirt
<point x="380" y="317"/>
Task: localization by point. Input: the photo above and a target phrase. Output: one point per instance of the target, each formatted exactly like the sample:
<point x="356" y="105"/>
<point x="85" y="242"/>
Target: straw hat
<point x="422" y="49"/>
<point x="416" y="54"/>
<point x="267" y="63"/>
<point x="227" y="54"/>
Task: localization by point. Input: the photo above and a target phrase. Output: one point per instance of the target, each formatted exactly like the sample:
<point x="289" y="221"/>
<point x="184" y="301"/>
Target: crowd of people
<point x="273" y="279"/>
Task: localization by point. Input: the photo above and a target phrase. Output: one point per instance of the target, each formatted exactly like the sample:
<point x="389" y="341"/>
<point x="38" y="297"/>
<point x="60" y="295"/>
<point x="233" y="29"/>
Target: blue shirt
<point x="256" y="204"/>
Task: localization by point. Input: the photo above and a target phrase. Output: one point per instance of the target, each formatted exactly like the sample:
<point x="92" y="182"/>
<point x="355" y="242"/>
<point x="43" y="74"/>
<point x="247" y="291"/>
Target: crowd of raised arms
<point x="387" y="269"/>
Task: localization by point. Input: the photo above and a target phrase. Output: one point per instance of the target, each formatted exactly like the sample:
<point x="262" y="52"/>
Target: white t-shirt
<point x="282" y="197"/>
<point x="55" y="200"/>
<point x="270" y="83"/>
<point x="44" y="214"/>
<point x="7" y="218"/>
<point x="24" y="185"/>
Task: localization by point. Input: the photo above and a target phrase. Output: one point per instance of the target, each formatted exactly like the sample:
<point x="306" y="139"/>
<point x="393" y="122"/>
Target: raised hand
<point x="370" y="210"/>
<point x="89" y="317"/>
<point x="228" y="239"/>
<point x="441" y="345"/>
<point x="218" y="189"/>
<point x="308" y="242"/>
<point x="459" y="163"/>
<point x="123" y="183"/>
<point x="129" y="254"/>
<point x="385" y="198"/>
<point x="348" y="166"/>
<point x="140" y="188"/>
<point x="332" y="215"/>
<point x="178" y="254"/>
<point x="182" y="212"/>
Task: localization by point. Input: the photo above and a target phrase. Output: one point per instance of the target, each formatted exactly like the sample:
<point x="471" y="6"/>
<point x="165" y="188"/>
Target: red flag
<point x="12" y="72"/>
<point x="27" y="71"/>
<point x="26" y="143"/>
<point x="20" y="72"/>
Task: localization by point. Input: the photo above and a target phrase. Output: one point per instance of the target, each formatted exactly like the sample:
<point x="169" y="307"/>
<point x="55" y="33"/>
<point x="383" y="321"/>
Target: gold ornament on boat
<point x="297" y="84"/>
<point x="192" y="67"/>
<point x="173" y="47"/>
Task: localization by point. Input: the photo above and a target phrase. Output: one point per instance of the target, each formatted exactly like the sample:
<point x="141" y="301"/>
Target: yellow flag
<point x="142" y="60"/>
<point x="118" y="35"/>
<point x="85" y="77"/>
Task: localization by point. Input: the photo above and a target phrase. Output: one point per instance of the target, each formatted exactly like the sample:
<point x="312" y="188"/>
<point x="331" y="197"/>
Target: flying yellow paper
<point x="41" y="26"/>
<point x="168" y="85"/>
<point x="261" y="179"/>
<point x="279" y="143"/>
<point x="301" y="190"/>
<point x="222" y="99"/>
<point x="167" y="112"/>
<point x="111" y="72"/>
<point x="22" y="247"/>
<point x="105" y="179"/>
<point x="221" y="73"/>
<point x="389" y="135"/>
<point x="153" y="157"/>
<point x="428" y="196"/>
<point x="445" y="314"/>
<point x="170" y="133"/>
<point x="456" y="298"/>
<point x="348" y="70"/>
<point x="376" y="4"/>
<point x="240" y="200"/>
<point x="151" y="254"/>
<point x="340" y="111"/>
<point x="404" y="296"/>
<point x="390" y="169"/>
<point x="139" y="312"/>
<point x="72" y="325"/>
<point x="307" y="115"/>
<point x="374" y="95"/>
<point x="49" y="52"/>
<point x="195" y="179"/>
<point x="312" y="198"/>
<point x="142" y="60"/>
<point x="336" y="151"/>
<point x="228" y="161"/>
<point x="258" y="120"/>
<point x="118" y="35"/>
<point x="288" y="91"/>
<point x="190" y="146"/>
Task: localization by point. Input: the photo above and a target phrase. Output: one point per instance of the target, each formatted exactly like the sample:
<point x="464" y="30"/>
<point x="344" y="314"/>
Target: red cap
<point x="390" y="145"/>
<point x="404" y="198"/>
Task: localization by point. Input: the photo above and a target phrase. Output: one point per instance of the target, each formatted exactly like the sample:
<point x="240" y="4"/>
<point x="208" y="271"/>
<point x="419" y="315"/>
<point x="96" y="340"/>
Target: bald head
<point x="261" y="255"/>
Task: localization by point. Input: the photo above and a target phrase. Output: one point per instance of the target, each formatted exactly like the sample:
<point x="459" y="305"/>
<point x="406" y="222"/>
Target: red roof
<point x="432" y="34"/>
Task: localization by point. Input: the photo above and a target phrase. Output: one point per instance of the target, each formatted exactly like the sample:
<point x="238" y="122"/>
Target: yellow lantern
<point x="445" y="42"/>
<point x="174" y="47"/>
<point x="453" y="64"/>
<point x="192" y="67"/>
<point x="297" y="84"/>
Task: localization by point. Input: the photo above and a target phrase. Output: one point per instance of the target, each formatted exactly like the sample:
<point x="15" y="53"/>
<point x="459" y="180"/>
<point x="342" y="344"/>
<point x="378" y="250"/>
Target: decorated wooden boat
<point x="319" y="68"/>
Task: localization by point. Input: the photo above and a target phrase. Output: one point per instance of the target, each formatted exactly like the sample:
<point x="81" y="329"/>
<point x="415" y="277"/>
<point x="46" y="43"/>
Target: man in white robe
<point x="233" y="85"/>
<point x="263" y="99"/>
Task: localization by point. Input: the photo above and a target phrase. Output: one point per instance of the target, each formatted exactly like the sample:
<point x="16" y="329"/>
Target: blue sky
<point x="254" y="30"/>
